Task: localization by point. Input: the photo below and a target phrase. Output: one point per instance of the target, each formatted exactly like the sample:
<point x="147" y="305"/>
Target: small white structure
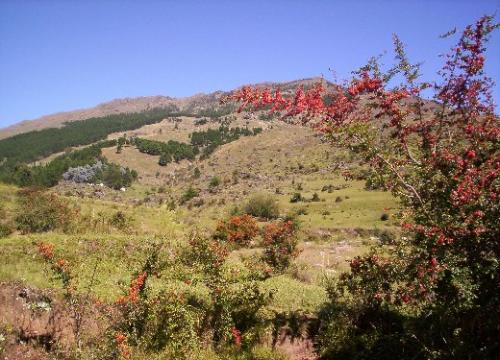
<point x="122" y="189"/>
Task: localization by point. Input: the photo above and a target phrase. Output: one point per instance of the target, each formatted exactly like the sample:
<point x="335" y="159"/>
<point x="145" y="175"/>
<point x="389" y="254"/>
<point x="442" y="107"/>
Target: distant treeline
<point x="168" y="151"/>
<point x="19" y="151"/>
<point x="212" y="138"/>
<point x="36" y="145"/>
<point x="49" y="174"/>
<point x="207" y="140"/>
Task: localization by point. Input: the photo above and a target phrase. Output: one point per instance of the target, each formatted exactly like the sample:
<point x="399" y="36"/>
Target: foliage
<point x="296" y="197"/>
<point x="214" y="182"/>
<point x="170" y="150"/>
<point x="196" y="173"/>
<point x="5" y="230"/>
<point x="189" y="194"/>
<point x="315" y="197"/>
<point x="239" y="230"/>
<point x="83" y="174"/>
<point x="75" y="303"/>
<point x="35" y="145"/>
<point x="48" y="175"/>
<point x="210" y="139"/>
<point x="280" y="245"/>
<point x="425" y="296"/>
<point x="120" y="220"/>
<point x="41" y="211"/>
<point x="116" y="177"/>
<point x="263" y="206"/>
<point x="165" y="158"/>
<point x="233" y="312"/>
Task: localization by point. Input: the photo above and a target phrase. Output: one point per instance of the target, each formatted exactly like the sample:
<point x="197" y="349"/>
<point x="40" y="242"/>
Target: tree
<point x="165" y="158"/>
<point x="426" y="296"/>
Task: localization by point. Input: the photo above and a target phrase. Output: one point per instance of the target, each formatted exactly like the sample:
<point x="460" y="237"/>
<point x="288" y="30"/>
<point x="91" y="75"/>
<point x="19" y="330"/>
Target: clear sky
<point x="64" y="55"/>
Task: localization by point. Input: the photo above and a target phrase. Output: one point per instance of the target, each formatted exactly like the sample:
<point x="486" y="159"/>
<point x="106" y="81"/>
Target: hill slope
<point x="132" y="105"/>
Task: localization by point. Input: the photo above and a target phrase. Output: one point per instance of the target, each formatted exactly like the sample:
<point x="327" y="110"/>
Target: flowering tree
<point x="441" y="158"/>
<point x="239" y="230"/>
<point x="280" y="245"/>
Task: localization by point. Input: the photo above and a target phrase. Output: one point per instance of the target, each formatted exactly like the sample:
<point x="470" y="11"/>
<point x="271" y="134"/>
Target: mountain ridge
<point x="134" y="105"/>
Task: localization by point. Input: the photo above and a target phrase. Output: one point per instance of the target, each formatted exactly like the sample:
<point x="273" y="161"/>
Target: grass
<point x="291" y="294"/>
<point x="280" y="158"/>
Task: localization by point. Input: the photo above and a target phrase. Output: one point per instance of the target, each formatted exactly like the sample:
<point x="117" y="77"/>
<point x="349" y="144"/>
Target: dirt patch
<point x="37" y="323"/>
<point x="297" y="349"/>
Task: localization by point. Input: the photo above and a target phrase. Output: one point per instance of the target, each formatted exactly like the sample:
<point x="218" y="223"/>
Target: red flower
<point x="61" y="263"/>
<point x="433" y="262"/>
<point x="46" y="250"/>
<point x="236" y="336"/>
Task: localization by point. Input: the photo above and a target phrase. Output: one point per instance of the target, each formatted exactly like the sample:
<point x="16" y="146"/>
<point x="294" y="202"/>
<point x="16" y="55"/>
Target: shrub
<point x="424" y="297"/>
<point x="296" y="197"/>
<point x="263" y="206"/>
<point x="280" y="245"/>
<point x="165" y="159"/>
<point x="315" y="197"/>
<point x="239" y="230"/>
<point x="338" y="199"/>
<point x="214" y="182"/>
<point x="301" y="211"/>
<point x="384" y="217"/>
<point x="196" y="173"/>
<point x="40" y="211"/>
<point x="189" y="194"/>
<point x="5" y="230"/>
<point x="120" y="220"/>
<point x="116" y="177"/>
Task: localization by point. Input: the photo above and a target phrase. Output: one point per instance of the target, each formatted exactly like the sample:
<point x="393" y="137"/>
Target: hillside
<point x="112" y="228"/>
<point x="132" y="105"/>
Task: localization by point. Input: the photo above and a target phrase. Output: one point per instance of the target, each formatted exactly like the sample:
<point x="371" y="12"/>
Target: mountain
<point x="137" y="104"/>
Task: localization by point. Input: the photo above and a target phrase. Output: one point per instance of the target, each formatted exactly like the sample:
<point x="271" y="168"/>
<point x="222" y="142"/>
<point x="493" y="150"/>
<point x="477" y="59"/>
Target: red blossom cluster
<point x="280" y="245"/>
<point x="122" y="344"/>
<point x="365" y="84"/>
<point x="236" y="336"/>
<point x="441" y="158"/>
<point x="136" y="286"/>
<point x="238" y="229"/>
<point x="46" y="250"/>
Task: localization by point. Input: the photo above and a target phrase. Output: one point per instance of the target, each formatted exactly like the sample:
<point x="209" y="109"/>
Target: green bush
<point x="196" y="173"/>
<point x="5" y="230"/>
<point x="296" y="197"/>
<point x="39" y="212"/>
<point x="315" y="197"/>
<point x="116" y="177"/>
<point x="189" y="194"/>
<point x="214" y="182"/>
<point x="263" y="206"/>
<point x="120" y="220"/>
<point x="165" y="158"/>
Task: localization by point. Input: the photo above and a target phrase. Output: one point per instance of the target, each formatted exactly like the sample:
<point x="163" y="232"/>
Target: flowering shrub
<point x="239" y="230"/>
<point x="280" y="245"/>
<point x="426" y="297"/>
<point x="137" y="286"/>
<point x="122" y="344"/>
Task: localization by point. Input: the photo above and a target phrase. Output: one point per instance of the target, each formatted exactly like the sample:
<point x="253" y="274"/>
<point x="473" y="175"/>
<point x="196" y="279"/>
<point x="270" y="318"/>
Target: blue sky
<point x="64" y="55"/>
